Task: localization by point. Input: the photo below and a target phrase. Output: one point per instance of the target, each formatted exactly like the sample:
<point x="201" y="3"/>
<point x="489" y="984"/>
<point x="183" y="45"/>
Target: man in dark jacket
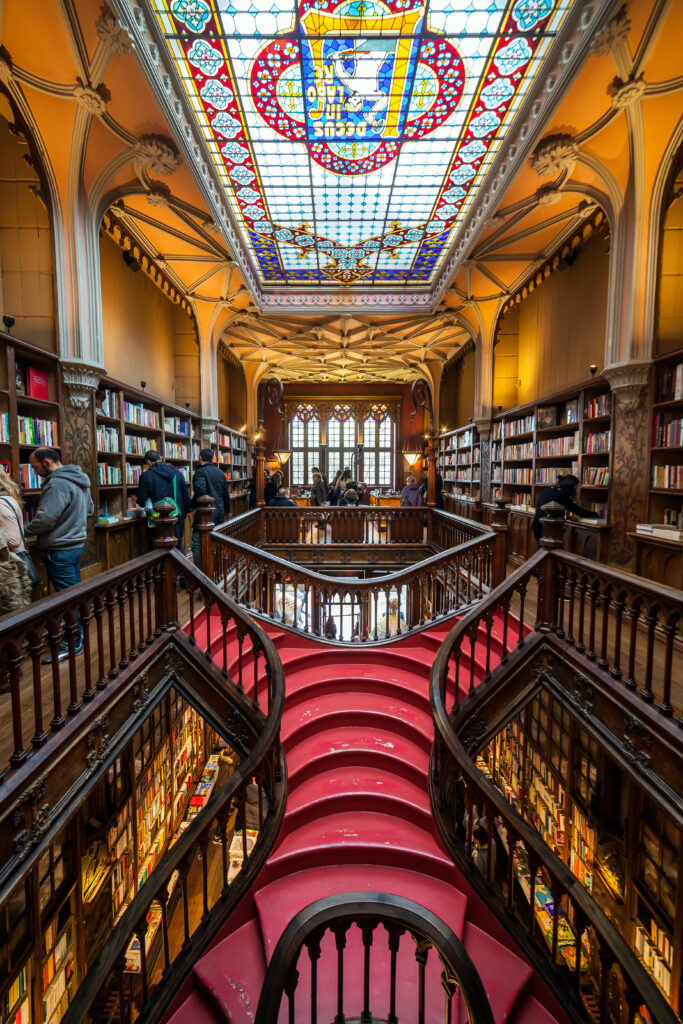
<point x="318" y="490"/>
<point x="209" y="479"/>
<point x="282" y="499"/>
<point x="160" y="481"/>
<point x="61" y="524"/>
<point x="563" y="493"/>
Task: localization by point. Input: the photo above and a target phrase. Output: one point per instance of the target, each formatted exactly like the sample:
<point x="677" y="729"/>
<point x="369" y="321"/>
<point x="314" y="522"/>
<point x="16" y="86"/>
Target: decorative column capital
<point x="627" y="381"/>
<point x="113" y="34"/>
<point x="81" y="380"/>
<point x="155" y="153"/>
<point x="483" y="425"/>
<point x="615" y="32"/>
<point x="209" y="425"/>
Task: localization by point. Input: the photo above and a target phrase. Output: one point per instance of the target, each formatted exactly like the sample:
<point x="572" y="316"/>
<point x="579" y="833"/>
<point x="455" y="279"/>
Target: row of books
<point x="523" y="475"/>
<point x="133" y="444"/>
<point x="175" y="425"/>
<point x="465" y="439"/>
<point x="107" y="439"/>
<point x="107" y="475"/>
<point x="656" y="963"/>
<point x="668" y="477"/>
<point x="173" y="450"/>
<point x="597" y="476"/>
<point x="598" y="443"/>
<point x="107" y="404"/>
<point x="520" y="451"/>
<point x="671" y="384"/>
<point x="31" y="382"/>
<point x="136" y="412"/>
<point x="18" y="988"/>
<point x="598" y="406"/>
<point x="133" y="474"/>
<point x="53" y="960"/>
<point x="464" y="459"/>
<point x="666" y="432"/>
<point x="28" y="478"/>
<point x="4" y="428"/>
<point x="37" y="432"/>
<point x="549" y="474"/>
<point x="558" y="446"/>
<point x="521" y="426"/>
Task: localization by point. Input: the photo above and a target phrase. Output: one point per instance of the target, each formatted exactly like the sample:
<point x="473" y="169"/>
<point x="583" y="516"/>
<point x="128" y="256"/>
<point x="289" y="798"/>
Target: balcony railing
<point x="377" y="609"/>
<point x="325" y="930"/>
<point x="621" y="632"/>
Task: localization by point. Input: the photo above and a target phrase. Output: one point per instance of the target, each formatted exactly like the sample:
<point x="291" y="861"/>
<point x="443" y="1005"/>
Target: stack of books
<point x="661" y="530"/>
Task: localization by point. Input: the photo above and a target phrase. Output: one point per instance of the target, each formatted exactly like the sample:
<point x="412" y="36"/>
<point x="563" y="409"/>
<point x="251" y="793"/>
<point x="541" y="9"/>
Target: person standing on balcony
<point x="319" y="489"/>
<point x="482" y="851"/>
<point x="273" y="483"/>
<point x="349" y="497"/>
<point x="317" y="469"/>
<point x="208" y="479"/>
<point x="161" y="482"/>
<point x="61" y="524"/>
<point x="364" y="496"/>
<point x="411" y="493"/>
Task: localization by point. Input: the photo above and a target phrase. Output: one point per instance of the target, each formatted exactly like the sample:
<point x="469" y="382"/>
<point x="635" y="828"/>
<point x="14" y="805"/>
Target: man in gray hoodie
<point x="61" y="523"/>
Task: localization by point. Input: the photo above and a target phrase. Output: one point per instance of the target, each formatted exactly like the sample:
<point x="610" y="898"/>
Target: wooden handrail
<point x="559" y="575"/>
<point x="368" y="910"/>
<point x="415" y="596"/>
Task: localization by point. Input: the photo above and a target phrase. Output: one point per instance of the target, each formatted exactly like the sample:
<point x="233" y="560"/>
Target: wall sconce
<point x="411" y="458"/>
<point x="593" y="369"/>
<point x="143" y="384"/>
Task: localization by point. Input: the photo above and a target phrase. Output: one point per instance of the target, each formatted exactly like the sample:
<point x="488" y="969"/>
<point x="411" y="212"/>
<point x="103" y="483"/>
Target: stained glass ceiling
<point x="351" y="136"/>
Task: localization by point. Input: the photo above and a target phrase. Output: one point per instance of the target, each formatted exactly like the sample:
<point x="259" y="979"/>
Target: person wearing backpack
<point x="161" y="482"/>
<point x="209" y="479"/>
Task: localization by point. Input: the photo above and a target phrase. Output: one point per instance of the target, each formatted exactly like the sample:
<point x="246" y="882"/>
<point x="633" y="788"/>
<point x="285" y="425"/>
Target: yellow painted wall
<point x="146" y="336"/>
<point x="560" y="331"/>
<point x="232" y="393"/>
<point x="26" y="284"/>
<point x="456" y="400"/>
<point x="669" y="319"/>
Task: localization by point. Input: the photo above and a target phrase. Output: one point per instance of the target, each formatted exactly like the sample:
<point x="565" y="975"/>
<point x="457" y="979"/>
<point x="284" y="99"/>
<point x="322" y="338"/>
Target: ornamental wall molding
<point x="569" y="50"/>
<point x="627" y="381"/>
<point x="209" y="426"/>
<point x="81" y="380"/>
<point x="113" y="34"/>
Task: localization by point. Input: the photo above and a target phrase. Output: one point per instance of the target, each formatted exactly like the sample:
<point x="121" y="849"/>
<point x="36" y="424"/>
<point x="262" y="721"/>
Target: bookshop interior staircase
<point x="357" y="733"/>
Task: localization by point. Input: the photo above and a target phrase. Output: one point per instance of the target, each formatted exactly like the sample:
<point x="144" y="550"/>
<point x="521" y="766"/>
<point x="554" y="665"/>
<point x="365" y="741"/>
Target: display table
<point x="386" y="501"/>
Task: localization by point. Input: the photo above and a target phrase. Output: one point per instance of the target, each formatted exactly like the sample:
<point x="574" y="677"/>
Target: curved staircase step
<point x="197" y="1009"/>
<point x="380" y="711"/>
<point x="346" y="745"/>
<point x="530" y="1011"/>
<point x="231" y="974"/>
<point x="504" y="974"/>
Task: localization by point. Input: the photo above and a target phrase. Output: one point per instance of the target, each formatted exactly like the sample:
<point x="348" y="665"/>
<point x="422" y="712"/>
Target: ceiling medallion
<point x="352" y="136"/>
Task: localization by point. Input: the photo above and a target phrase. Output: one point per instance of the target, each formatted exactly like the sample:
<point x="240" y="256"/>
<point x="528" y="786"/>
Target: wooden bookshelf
<point x="28" y="422"/>
<point x="233" y="455"/>
<point x="128" y="422"/>
<point x="459" y="462"/>
<point x="531" y="445"/>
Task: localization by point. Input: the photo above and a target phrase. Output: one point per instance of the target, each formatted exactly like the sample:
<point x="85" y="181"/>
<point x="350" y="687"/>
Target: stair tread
<point x="346" y="740"/>
<point x="504" y="974"/>
<point x="197" y="1010"/>
<point x="530" y="1011"/>
<point x="232" y="972"/>
<point x="358" y="780"/>
<point x="366" y="707"/>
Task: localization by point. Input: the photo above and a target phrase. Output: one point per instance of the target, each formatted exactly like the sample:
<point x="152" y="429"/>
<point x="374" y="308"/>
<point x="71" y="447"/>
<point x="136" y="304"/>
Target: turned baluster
<point x="670" y="629"/>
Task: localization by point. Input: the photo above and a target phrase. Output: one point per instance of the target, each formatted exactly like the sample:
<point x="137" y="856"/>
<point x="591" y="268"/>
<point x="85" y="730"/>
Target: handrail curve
<point x="368" y="910"/>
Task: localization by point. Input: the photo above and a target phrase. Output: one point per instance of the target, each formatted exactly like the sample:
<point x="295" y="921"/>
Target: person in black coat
<point x="282" y="499"/>
<point x="273" y="483"/>
<point x="160" y="481"/>
<point x="563" y="492"/>
<point x="209" y="479"/>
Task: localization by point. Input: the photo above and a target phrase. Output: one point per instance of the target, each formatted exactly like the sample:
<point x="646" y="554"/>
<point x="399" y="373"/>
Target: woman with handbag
<point x="12" y="525"/>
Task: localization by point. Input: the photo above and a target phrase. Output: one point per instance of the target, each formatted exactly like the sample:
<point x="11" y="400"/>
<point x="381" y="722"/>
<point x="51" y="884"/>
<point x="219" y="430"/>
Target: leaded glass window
<point x="378" y="452"/>
<point x="304" y="433"/>
<point x="341" y="440"/>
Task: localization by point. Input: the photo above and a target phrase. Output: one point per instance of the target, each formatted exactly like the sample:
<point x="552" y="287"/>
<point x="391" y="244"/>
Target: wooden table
<point x="658" y="559"/>
<point x="386" y="502"/>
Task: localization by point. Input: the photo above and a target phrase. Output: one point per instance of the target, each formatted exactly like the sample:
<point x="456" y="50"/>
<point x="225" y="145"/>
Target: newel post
<point x="500" y="551"/>
<point x="204" y="526"/>
<point x="552" y="539"/>
<point x="165" y="538"/>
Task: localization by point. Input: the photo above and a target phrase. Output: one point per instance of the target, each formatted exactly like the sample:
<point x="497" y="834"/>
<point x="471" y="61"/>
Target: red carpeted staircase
<point x="357" y="733"/>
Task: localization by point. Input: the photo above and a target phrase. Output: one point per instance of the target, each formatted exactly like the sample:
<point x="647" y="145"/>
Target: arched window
<point x="341" y="439"/>
<point x="304" y="435"/>
<point x="378" y="450"/>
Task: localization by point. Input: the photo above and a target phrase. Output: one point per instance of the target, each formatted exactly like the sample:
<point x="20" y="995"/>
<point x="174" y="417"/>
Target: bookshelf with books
<point x="566" y="433"/>
<point x="31" y="412"/>
<point x="233" y="456"/>
<point x="128" y="422"/>
<point x="459" y="462"/>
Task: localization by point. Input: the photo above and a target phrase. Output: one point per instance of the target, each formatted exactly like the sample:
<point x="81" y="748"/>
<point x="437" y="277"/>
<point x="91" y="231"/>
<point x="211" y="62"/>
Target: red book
<point x="36" y="384"/>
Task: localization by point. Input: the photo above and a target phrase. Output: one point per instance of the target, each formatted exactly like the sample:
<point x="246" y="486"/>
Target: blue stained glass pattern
<point x="351" y="136"/>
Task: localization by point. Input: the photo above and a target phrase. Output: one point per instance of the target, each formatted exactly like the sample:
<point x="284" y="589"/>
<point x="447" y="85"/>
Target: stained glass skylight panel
<point x="351" y="136"/>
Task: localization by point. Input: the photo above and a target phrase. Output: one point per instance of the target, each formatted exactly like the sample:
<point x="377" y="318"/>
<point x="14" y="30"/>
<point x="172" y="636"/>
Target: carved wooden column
<point x="431" y="467"/>
<point x="259" y="461"/>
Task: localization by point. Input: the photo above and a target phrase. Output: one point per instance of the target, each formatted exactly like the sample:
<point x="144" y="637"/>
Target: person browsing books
<point x="563" y="492"/>
<point x="209" y="479"/>
<point x="161" y="482"/>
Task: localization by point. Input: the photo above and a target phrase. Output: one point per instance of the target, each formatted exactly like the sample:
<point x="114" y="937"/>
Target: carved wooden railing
<point x="323" y="929"/>
<point x="134" y="653"/>
<point x="593" y="614"/>
<point x="368" y="609"/>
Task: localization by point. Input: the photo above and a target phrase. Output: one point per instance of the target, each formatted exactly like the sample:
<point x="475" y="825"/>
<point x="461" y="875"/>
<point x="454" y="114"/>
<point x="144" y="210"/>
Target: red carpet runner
<point x="357" y="733"/>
